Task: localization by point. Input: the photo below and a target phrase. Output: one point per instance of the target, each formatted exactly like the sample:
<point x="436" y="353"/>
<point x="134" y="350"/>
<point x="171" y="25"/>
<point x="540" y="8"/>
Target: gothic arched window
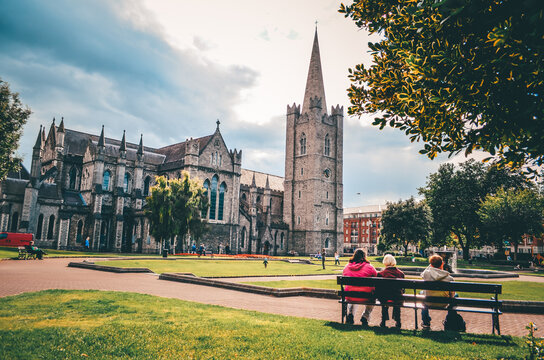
<point x="243" y="237"/>
<point x="147" y="183"/>
<point x="213" y="196"/>
<point x="14" y="221"/>
<point x="73" y="178"/>
<point x="50" y="227"/>
<point x="281" y="240"/>
<point x="303" y="144"/>
<point x="222" y="190"/>
<point x="79" y="234"/>
<point x="40" y="227"/>
<point x="126" y="183"/>
<point x="327" y="151"/>
<point x="327" y="243"/>
<point x="106" y="181"/>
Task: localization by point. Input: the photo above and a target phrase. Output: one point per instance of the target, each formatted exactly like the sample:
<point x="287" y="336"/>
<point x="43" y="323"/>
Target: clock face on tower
<point x="327" y="173"/>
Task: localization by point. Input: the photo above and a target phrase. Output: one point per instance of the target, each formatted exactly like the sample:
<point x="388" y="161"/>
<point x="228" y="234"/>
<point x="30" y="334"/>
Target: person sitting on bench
<point x="434" y="272"/>
<point x="387" y="295"/>
<point x="358" y="266"/>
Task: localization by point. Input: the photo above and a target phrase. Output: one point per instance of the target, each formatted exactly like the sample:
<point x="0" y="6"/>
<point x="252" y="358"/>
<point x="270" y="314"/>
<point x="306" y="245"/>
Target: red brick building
<point x="362" y="228"/>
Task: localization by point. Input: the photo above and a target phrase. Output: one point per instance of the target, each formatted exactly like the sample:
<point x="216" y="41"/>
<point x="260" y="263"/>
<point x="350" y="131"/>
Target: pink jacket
<point x="364" y="269"/>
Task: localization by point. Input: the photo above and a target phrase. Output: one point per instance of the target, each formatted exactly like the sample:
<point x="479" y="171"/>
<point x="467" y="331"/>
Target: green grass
<point x="9" y="252"/>
<point x="224" y="268"/>
<point x="511" y="290"/>
<point x="60" y="324"/>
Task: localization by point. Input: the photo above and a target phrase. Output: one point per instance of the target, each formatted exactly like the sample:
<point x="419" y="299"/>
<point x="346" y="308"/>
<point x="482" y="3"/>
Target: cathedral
<point x="91" y="186"/>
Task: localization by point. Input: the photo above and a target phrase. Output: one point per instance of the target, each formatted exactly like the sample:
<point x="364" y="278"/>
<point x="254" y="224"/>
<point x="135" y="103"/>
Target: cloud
<point x="264" y="35"/>
<point x="381" y="165"/>
<point x="104" y="62"/>
<point x="293" y="35"/>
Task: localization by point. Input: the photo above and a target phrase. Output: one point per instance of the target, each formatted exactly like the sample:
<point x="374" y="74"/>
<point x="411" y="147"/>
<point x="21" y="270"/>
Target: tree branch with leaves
<point x="12" y="118"/>
<point x="458" y="75"/>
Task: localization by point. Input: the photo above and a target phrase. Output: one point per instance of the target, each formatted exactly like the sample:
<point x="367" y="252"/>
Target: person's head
<point x="436" y="261"/>
<point x="389" y="260"/>
<point x="359" y="256"/>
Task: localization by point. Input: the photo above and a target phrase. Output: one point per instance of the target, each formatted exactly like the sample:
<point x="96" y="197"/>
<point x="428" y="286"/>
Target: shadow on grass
<point x="438" y="336"/>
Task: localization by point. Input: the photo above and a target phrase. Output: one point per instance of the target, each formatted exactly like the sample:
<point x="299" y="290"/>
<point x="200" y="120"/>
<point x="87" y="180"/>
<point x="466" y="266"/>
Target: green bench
<point x="412" y="298"/>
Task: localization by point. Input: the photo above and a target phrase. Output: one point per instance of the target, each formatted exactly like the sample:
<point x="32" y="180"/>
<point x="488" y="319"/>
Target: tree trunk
<point x="516" y="251"/>
<point x="464" y="246"/>
<point x="406" y="248"/>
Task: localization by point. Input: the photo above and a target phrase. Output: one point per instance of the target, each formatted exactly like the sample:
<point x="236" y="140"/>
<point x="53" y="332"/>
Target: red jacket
<point x="388" y="294"/>
<point x="364" y="269"/>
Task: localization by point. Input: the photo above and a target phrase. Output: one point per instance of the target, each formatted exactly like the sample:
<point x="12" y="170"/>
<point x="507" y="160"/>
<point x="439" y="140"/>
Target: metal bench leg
<point x="344" y="311"/>
<point x="496" y="324"/>
<point x="415" y="307"/>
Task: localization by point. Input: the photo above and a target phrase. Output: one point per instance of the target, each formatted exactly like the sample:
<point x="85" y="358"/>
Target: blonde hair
<point x="389" y="260"/>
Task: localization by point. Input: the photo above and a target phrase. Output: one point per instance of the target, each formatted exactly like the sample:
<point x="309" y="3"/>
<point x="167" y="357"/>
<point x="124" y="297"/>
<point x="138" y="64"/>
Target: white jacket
<point x="435" y="274"/>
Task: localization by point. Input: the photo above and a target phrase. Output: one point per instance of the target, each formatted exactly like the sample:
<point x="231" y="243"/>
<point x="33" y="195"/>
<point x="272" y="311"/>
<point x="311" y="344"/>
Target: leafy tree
<point x="404" y="223"/>
<point x="455" y="74"/>
<point x="189" y="202"/>
<point x="511" y="214"/>
<point x="454" y="197"/>
<point x="174" y="209"/>
<point x="158" y="209"/>
<point x="12" y="118"/>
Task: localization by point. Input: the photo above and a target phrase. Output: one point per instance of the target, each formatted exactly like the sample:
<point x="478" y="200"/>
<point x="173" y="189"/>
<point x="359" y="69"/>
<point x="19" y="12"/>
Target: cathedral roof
<point x="14" y="186"/>
<point x="76" y="142"/>
<point x="314" y="83"/>
<point x="48" y="191"/>
<point x="73" y="198"/>
<point x="21" y="174"/>
<point x="275" y="182"/>
<point x="176" y="152"/>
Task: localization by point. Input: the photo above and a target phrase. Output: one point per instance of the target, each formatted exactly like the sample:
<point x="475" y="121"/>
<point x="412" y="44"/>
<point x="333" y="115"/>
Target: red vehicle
<point x="16" y="239"/>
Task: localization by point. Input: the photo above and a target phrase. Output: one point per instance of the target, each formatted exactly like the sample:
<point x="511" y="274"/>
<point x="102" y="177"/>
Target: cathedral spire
<point x="52" y="136"/>
<point x="61" y="126"/>
<point x="39" y="140"/>
<point x="101" y="141"/>
<point x="314" y="83"/>
<point x="141" y="145"/>
<point x="123" y="146"/>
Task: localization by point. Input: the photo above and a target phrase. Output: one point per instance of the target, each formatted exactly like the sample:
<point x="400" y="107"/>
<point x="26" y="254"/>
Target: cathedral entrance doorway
<point x="104" y="235"/>
<point x="266" y="249"/>
<point x="128" y="231"/>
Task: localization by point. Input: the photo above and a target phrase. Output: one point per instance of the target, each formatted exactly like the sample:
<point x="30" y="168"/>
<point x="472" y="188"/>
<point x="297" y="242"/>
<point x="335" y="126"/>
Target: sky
<point x="170" y="69"/>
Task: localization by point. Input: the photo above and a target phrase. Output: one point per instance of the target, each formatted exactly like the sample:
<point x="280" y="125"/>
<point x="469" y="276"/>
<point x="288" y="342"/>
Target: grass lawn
<point x="224" y="268"/>
<point x="511" y="290"/>
<point x="60" y="324"/>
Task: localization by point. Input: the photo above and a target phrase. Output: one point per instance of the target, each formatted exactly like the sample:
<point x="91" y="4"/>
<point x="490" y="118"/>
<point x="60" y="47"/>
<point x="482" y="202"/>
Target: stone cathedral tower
<point x="313" y="168"/>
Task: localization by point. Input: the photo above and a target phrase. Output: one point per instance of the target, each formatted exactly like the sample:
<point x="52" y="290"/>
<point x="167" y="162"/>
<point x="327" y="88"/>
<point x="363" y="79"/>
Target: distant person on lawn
<point x="336" y="258"/>
<point x="434" y="272"/>
<point x="358" y="266"/>
<point x="323" y="258"/>
<point x="385" y="295"/>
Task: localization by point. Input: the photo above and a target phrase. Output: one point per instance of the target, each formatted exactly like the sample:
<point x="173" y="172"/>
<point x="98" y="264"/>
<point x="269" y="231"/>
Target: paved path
<point x="22" y="276"/>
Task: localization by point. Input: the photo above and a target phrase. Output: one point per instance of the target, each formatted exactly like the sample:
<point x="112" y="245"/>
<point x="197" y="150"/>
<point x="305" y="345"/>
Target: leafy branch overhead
<point x="455" y="74"/>
<point x="12" y="118"/>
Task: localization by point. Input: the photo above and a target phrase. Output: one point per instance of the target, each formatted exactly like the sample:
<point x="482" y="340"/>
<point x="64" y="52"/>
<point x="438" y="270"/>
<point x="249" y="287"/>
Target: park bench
<point x="22" y="253"/>
<point x="30" y="252"/>
<point x="411" y="298"/>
